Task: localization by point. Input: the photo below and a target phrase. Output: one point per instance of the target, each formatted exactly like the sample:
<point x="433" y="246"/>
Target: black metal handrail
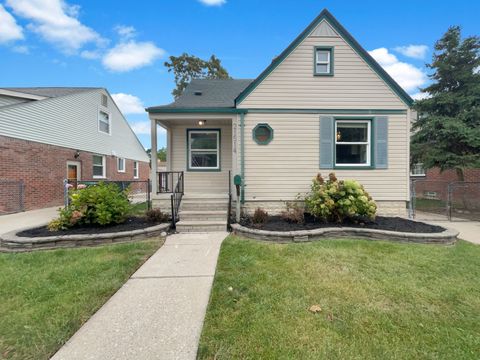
<point x="176" y="199"/>
<point x="229" y="213"/>
<point x="167" y="180"/>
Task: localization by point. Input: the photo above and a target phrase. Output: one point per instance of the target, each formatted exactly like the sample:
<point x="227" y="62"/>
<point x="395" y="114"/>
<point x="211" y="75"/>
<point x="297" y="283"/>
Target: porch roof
<point x="206" y="94"/>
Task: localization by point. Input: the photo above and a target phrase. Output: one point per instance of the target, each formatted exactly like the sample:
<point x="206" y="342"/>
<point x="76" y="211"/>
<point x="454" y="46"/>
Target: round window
<point x="262" y="134"/>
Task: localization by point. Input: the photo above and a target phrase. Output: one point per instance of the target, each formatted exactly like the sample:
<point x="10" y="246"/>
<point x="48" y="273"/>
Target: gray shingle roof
<point x="49" y="91"/>
<point x="207" y="93"/>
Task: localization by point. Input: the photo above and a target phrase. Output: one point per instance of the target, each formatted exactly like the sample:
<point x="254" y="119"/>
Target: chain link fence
<point x="138" y="190"/>
<point x="12" y="194"/>
<point x="444" y="200"/>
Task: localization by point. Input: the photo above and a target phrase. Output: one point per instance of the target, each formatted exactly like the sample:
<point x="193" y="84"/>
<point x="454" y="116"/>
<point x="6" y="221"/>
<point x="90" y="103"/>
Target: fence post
<point x="149" y="187"/>
<point x="65" y="193"/>
<point x="21" y="195"/>
<point x="412" y="199"/>
<point x="449" y="201"/>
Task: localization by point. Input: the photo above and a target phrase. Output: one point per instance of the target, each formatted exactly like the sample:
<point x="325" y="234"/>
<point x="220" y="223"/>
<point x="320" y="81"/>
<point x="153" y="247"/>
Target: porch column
<point x="153" y="156"/>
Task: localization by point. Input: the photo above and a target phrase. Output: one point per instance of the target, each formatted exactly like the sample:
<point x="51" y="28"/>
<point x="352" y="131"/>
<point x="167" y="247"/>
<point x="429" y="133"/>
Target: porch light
<point x="202" y="122"/>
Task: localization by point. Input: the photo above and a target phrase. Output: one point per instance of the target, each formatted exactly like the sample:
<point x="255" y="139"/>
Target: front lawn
<point x="379" y="300"/>
<point x="46" y="296"/>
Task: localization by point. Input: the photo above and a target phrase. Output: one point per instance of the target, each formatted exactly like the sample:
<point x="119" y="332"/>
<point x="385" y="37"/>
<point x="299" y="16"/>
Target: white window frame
<point x="415" y="167"/>
<point x="104" y="167"/>
<point x="216" y="151"/>
<point x="121" y="160"/>
<point x="368" y="142"/>
<point x="328" y="62"/>
<point x="99" y="119"/>
<point x="135" y="170"/>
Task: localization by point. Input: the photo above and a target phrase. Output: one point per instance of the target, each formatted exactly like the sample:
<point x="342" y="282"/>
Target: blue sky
<point x="121" y="45"/>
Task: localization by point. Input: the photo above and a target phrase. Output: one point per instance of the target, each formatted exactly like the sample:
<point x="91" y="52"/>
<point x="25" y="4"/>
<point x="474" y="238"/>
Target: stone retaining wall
<point x="10" y="242"/>
<point x="449" y="236"/>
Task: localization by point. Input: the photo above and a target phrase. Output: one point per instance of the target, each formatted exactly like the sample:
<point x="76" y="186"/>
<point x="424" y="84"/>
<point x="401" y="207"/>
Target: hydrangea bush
<point x="336" y="200"/>
<point x="101" y="204"/>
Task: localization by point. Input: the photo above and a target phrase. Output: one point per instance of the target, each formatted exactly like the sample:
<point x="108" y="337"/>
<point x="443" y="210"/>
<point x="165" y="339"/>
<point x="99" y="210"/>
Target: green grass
<point x="139" y="209"/>
<point x="46" y="296"/>
<point x="379" y="300"/>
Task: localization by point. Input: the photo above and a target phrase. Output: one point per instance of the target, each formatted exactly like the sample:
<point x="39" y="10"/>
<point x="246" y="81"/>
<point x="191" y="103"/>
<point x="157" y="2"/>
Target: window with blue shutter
<point x="381" y="142"/>
<point x="326" y="142"/>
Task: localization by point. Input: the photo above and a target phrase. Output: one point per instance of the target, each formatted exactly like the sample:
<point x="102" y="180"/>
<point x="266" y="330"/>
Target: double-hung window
<point x="352" y="143"/>
<point x="135" y="169"/>
<point x="120" y="164"/>
<point x="323" y="60"/>
<point x="104" y="122"/>
<point x="203" y="149"/>
<point x="98" y="166"/>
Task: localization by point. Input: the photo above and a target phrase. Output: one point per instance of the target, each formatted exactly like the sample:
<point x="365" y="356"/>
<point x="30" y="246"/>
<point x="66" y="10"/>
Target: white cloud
<point x="91" y="54"/>
<point x="131" y="55"/>
<point x="420" y="96"/>
<point x="413" y="51"/>
<point x="9" y="29"/>
<point x="57" y="22"/>
<point x="126" y="32"/>
<point x="129" y="104"/>
<point x="141" y="127"/>
<point x="21" y="49"/>
<point x="408" y="76"/>
<point x="213" y="2"/>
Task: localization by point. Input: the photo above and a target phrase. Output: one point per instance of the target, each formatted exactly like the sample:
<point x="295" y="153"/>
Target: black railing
<point x="176" y="199"/>
<point x="167" y="180"/>
<point x="229" y="213"/>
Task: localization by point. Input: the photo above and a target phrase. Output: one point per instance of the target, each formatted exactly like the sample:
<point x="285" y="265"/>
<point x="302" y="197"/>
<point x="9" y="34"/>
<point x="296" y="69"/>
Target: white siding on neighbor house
<point x="202" y="181"/>
<point x="292" y="84"/>
<point x="72" y="121"/>
<point x="6" y="100"/>
<point x="286" y="166"/>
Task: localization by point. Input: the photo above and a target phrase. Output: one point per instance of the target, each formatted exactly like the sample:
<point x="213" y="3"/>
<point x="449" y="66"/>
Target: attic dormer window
<point x="323" y="64"/>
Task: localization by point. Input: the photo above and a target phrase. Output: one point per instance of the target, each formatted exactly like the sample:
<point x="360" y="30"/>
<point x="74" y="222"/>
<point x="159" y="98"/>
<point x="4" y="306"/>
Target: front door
<point x="73" y="172"/>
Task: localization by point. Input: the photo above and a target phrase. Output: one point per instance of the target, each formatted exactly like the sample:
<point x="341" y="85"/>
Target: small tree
<point x="447" y="133"/>
<point x="187" y="67"/>
<point x="161" y="154"/>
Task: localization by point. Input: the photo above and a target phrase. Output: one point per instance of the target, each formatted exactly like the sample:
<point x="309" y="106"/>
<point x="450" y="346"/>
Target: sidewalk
<point x="159" y="312"/>
<point x="469" y="230"/>
<point x="27" y="218"/>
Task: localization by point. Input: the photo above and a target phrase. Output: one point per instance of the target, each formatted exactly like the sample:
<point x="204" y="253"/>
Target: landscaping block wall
<point x="43" y="167"/>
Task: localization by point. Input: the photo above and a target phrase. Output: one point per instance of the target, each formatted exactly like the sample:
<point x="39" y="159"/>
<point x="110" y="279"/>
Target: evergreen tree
<point x="447" y="133"/>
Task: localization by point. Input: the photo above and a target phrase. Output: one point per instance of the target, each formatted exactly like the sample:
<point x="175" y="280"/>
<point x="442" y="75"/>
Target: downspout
<point x="242" y="156"/>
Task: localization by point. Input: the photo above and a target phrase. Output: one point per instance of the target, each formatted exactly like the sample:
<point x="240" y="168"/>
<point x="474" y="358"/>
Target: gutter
<point x="242" y="156"/>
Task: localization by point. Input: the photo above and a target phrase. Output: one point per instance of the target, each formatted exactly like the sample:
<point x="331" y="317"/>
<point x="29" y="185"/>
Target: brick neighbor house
<point x="51" y="134"/>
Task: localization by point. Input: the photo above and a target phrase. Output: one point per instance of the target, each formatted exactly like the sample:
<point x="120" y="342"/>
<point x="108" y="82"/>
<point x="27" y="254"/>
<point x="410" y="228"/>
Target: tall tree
<point x="447" y="133"/>
<point x="187" y="67"/>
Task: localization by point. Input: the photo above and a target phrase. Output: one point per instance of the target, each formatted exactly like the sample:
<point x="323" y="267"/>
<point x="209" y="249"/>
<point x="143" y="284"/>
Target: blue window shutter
<point x="326" y="142"/>
<point x="381" y="142"/>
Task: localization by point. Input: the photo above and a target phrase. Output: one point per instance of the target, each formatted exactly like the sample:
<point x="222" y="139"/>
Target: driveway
<point x="159" y="312"/>
<point x="27" y="218"/>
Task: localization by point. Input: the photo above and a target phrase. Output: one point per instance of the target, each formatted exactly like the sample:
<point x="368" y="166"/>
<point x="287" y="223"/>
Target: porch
<point x="200" y="154"/>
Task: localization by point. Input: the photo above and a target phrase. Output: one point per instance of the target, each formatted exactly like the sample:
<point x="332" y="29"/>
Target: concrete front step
<point x="200" y="226"/>
<point x="215" y="215"/>
<point x="204" y="205"/>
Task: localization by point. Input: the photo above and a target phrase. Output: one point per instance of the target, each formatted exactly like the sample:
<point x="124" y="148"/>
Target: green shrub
<point x="337" y="200"/>
<point x="156" y="216"/>
<point x="294" y="213"/>
<point x="260" y="216"/>
<point x="101" y="204"/>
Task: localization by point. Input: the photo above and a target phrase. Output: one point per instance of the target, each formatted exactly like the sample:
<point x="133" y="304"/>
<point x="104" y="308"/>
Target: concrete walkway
<point x="469" y="230"/>
<point x="159" y="312"/>
<point x="27" y="218"/>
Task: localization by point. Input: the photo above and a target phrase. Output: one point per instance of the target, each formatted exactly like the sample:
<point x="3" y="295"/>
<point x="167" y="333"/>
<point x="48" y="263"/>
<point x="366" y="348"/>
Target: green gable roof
<point x="326" y="15"/>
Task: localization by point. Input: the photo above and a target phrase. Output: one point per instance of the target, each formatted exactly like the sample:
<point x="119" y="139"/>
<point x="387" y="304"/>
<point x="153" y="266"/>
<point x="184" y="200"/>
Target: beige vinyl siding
<point x="292" y="84"/>
<point x="285" y="167"/>
<point x="72" y="121"/>
<point x="10" y="100"/>
<point x="202" y="181"/>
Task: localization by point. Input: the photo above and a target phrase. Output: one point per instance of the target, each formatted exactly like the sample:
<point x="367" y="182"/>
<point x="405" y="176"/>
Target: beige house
<point x="323" y="105"/>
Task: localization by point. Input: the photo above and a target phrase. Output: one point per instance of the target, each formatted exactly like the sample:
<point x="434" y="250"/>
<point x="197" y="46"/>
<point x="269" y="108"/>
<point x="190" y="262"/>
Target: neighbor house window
<point x="352" y="143"/>
<point x="121" y="165"/>
<point x="135" y="169"/>
<point x="98" y="166"/>
<point x="323" y="60"/>
<point x="418" y="170"/>
<point x="104" y="100"/>
<point x="203" y="149"/>
<point x="104" y="122"/>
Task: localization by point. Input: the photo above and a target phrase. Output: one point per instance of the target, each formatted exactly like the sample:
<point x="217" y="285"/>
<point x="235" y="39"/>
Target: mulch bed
<point x="277" y="223"/>
<point x="132" y="223"/>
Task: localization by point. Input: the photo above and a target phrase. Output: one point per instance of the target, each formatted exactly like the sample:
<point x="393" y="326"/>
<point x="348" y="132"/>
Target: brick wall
<point x="42" y="167"/>
<point x="471" y="175"/>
